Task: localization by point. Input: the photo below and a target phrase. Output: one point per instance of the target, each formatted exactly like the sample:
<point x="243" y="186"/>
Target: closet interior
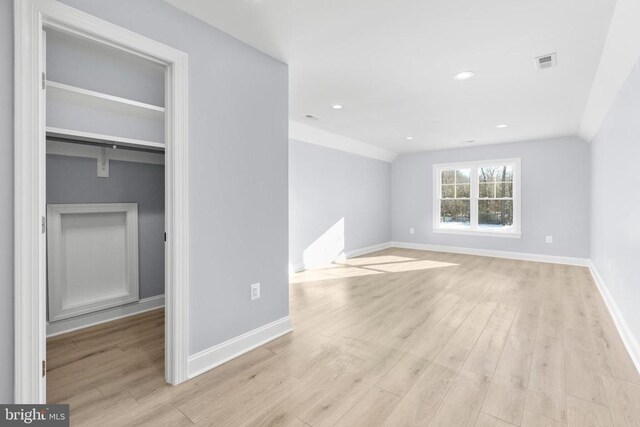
<point x="105" y="224"/>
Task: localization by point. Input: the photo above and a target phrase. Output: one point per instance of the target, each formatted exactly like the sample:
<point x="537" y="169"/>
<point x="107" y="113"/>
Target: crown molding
<point x="305" y="133"/>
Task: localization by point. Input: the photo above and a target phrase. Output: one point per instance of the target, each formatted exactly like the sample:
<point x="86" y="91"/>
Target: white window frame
<point x="473" y="229"/>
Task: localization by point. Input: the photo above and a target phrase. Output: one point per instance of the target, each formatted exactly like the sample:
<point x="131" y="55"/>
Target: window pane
<point x="504" y="189"/>
<point x="455" y="212"/>
<point x="463" y="190"/>
<point x="505" y="174"/>
<point x="486" y="190"/>
<point x="463" y="176"/>
<point x="449" y="177"/>
<point x="495" y="174"/>
<point x="448" y="191"/>
<point x="495" y="213"/>
<point x="487" y="174"/>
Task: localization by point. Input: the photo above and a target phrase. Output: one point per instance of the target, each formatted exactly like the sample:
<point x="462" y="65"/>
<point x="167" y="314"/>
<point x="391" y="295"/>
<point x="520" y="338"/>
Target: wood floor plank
<point x="546" y="394"/>
<point x="467" y="335"/>
<point x="452" y="357"/>
<point x="485" y="420"/>
<point x="372" y="410"/>
<point x="507" y="393"/>
<point x="486" y="352"/>
<point x="584" y="413"/>
<point x="583" y="378"/>
<point x="419" y="405"/>
<point x="463" y="401"/>
<point x="624" y="401"/>
<point x="532" y="419"/>
<point x="403" y="375"/>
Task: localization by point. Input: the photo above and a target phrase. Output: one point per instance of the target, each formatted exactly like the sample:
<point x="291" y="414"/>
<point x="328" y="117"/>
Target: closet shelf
<point x="101" y="138"/>
<point x="74" y="94"/>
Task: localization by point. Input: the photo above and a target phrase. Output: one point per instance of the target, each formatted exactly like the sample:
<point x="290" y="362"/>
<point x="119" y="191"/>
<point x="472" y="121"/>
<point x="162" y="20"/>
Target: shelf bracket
<point x="103" y="163"/>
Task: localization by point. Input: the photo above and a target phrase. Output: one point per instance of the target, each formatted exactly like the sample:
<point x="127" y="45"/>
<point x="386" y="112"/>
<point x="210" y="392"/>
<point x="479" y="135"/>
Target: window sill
<point x="487" y="233"/>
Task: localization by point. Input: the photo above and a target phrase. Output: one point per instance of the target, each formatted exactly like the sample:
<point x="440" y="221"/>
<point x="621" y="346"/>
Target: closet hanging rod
<point x="103" y="144"/>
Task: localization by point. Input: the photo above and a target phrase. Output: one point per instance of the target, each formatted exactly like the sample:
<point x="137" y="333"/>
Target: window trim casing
<point x="473" y="230"/>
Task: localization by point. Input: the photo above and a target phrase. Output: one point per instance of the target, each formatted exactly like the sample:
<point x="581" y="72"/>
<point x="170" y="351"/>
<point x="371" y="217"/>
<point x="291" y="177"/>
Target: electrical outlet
<point x="255" y="291"/>
<point x="549" y="239"/>
<point x="412" y="231"/>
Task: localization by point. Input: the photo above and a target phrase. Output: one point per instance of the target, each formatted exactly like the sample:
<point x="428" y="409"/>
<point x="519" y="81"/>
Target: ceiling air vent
<point x="546" y="61"/>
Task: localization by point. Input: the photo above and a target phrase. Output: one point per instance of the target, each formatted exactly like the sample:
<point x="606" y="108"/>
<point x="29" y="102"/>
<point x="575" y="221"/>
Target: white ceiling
<point x="391" y="64"/>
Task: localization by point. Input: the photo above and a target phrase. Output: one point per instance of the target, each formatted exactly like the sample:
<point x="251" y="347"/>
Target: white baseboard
<point x="367" y="250"/>
<point x="102" y="316"/>
<point x="296" y="268"/>
<point x="221" y="353"/>
<point x="630" y="341"/>
<point x="583" y="262"/>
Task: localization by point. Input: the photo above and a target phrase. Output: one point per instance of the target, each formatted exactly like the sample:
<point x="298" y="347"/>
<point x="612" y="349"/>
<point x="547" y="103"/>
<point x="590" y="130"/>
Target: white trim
<point x="92" y="319"/>
<point x="367" y="250"/>
<point x="103" y="139"/>
<point x="228" y="350"/>
<point x="474" y="229"/>
<point x="487" y="233"/>
<point x="619" y="55"/>
<point x="306" y="133"/>
<point x="30" y="17"/>
<point x="298" y="267"/>
<point x="69" y="149"/>
<point x="59" y="307"/>
<point x="82" y="96"/>
<point x="630" y="341"/>
<point x="553" y="259"/>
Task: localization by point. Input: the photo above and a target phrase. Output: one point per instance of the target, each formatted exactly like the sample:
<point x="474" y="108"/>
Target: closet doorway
<point x="88" y="241"/>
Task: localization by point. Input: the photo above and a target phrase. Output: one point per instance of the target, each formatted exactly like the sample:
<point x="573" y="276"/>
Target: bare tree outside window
<point x="495" y="196"/>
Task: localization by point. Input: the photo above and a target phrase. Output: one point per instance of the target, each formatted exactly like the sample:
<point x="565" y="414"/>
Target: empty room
<point x="319" y="213"/>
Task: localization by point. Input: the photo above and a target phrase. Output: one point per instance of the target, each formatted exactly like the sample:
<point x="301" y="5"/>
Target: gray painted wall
<point x="238" y="127"/>
<point x="326" y="185"/>
<point x="615" y="233"/>
<point x="74" y="180"/>
<point x="6" y="204"/>
<point x="555" y="196"/>
<point x="238" y="131"/>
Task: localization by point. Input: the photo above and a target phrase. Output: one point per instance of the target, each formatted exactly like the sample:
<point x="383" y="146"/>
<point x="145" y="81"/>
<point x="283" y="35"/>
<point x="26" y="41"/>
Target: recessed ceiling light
<point x="409" y="138"/>
<point x="337" y="106"/>
<point x="501" y="126"/>
<point x="463" y="75"/>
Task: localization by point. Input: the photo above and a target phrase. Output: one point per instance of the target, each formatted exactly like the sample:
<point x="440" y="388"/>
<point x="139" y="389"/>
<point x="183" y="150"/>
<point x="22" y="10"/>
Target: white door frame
<point x="31" y="16"/>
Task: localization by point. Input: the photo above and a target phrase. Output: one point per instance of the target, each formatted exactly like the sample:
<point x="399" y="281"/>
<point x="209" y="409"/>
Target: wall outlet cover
<point x="412" y="231"/>
<point x="255" y="291"/>
<point x="549" y="239"/>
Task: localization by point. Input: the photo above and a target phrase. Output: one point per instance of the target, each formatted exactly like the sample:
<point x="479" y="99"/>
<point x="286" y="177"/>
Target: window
<point x="481" y="198"/>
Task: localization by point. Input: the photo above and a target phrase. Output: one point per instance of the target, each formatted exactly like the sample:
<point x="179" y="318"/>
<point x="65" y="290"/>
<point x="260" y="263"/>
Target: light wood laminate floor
<point x="395" y="338"/>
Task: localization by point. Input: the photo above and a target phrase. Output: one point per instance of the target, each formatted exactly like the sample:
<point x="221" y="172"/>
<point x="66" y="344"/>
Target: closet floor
<point x="399" y="337"/>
